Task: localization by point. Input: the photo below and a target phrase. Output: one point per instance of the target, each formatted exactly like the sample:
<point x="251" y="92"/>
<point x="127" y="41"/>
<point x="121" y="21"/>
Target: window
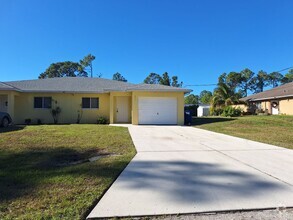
<point x="90" y="102"/>
<point x="42" y="102"/>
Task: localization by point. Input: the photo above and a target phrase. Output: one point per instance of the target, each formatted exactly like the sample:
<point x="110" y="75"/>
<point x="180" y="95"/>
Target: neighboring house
<point x="89" y="98"/>
<point x="203" y="110"/>
<point x="275" y="101"/>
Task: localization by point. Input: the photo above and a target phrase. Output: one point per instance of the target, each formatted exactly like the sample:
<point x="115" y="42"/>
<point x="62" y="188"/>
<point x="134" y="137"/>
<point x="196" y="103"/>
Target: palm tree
<point x="223" y="96"/>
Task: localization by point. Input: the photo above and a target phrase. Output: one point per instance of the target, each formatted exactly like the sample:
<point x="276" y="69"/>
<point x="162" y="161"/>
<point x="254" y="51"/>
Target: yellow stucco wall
<point x="178" y="95"/>
<point x="286" y="106"/>
<point x="21" y="106"/>
<point x="70" y="105"/>
<point x="266" y="105"/>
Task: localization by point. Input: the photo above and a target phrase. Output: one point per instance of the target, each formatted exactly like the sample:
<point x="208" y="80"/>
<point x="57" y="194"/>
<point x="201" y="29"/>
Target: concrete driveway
<point x="189" y="170"/>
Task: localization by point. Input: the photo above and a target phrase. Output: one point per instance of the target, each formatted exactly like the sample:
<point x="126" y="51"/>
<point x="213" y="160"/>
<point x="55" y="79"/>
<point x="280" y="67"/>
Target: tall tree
<point x="222" y="78"/>
<point x="233" y="80"/>
<point x="246" y="76"/>
<point x="69" y="68"/>
<point x="153" y="78"/>
<point x="259" y="82"/>
<point x="275" y="78"/>
<point x="64" y="69"/>
<point x="205" y="97"/>
<point x="175" y="82"/>
<point x="191" y="99"/>
<point x="165" y="79"/>
<point x="87" y="62"/>
<point x="288" y="77"/>
<point x="118" y="77"/>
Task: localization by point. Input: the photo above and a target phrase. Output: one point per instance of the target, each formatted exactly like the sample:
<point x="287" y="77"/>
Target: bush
<point x="28" y="121"/>
<point x="102" y="120"/>
<point x="216" y="111"/>
<point x="230" y="111"/>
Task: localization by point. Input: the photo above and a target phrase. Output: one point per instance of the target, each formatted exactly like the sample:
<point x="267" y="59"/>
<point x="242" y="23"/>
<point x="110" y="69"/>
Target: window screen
<point x="90" y="102"/>
<point x="94" y="103"/>
<point x="47" y="102"/>
<point x="86" y="102"/>
<point x="42" y="102"/>
<point x="38" y="102"/>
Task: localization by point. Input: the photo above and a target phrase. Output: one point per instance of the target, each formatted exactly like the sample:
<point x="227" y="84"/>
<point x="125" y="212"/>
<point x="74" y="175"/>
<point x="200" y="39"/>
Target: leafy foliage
<point x="102" y="120"/>
<point x="55" y="112"/>
<point x="118" y="77"/>
<point x="191" y="99"/>
<point x="154" y="78"/>
<point x="68" y="68"/>
<point x="205" y="97"/>
<point x="259" y="82"/>
<point x="223" y="96"/>
<point x="230" y="111"/>
<point x="288" y="77"/>
<point x="245" y="75"/>
<point x="275" y="79"/>
<point x="87" y="62"/>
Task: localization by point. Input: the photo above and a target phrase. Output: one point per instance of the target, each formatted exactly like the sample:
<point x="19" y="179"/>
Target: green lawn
<point x="36" y="180"/>
<point x="273" y="129"/>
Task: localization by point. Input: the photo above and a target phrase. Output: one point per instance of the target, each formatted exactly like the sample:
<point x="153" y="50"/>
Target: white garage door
<point x="157" y="110"/>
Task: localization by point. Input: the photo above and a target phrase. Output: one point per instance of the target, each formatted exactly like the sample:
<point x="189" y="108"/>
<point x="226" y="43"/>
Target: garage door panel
<point x="157" y="110"/>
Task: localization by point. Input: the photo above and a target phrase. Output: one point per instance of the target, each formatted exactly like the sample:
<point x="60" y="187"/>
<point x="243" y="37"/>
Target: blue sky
<point x="195" y="40"/>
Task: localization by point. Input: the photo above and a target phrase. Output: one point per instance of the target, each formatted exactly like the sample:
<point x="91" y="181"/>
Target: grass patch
<point x="33" y="186"/>
<point x="274" y="129"/>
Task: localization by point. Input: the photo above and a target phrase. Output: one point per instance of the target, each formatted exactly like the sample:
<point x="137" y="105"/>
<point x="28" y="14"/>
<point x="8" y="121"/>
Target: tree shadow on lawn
<point x="12" y="128"/>
<point x="23" y="173"/>
<point x="210" y="120"/>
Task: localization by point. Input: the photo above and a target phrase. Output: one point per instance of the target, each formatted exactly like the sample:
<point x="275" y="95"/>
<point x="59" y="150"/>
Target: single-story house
<point x="203" y="110"/>
<point x="85" y="99"/>
<point x="275" y="101"/>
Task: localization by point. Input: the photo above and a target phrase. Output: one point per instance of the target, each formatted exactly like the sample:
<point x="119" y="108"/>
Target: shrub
<point x="230" y="111"/>
<point x="39" y="121"/>
<point x="216" y="111"/>
<point x="102" y="120"/>
<point x="28" y="121"/>
<point x="55" y="114"/>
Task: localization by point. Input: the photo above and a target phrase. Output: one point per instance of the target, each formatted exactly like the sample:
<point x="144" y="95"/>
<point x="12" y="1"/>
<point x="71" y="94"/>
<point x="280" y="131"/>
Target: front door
<point x="275" y="108"/>
<point x="123" y="109"/>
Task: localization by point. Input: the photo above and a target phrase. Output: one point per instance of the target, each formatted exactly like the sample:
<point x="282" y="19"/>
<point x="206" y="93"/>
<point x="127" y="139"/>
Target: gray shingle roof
<point x="156" y="87"/>
<point x="82" y="85"/>
<point x="4" y="86"/>
<point x="283" y="91"/>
